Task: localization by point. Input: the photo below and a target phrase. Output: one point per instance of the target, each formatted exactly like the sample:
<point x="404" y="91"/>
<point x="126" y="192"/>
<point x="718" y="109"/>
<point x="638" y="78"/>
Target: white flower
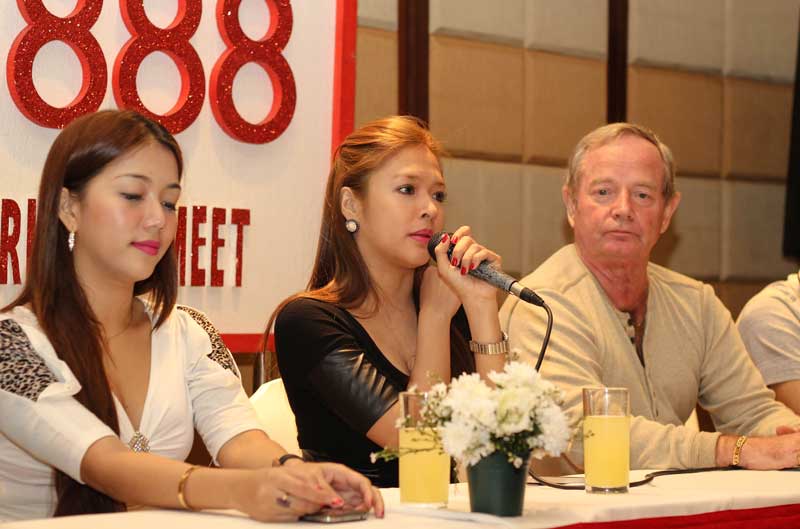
<point x="555" y="429"/>
<point x="474" y="420"/>
<point x="513" y="411"/>
<point x="459" y="437"/>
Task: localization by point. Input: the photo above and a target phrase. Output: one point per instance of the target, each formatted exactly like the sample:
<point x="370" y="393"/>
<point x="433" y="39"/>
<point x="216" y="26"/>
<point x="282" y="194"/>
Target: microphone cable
<point x="644" y="481"/>
<point x="546" y="339"/>
<point x="648" y="477"/>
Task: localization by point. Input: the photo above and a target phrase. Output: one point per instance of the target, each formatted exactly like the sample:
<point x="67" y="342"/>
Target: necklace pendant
<point x="139" y="443"/>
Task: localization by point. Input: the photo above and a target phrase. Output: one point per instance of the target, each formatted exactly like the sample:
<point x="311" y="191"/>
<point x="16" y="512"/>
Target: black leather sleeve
<point x="320" y="356"/>
<point x="353" y="387"/>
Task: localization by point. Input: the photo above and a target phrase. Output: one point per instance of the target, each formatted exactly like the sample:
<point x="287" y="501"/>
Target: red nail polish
<point x="472" y="267"/>
<point x="444" y="238"/>
<point x="454" y="261"/>
<point x="455" y="240"/>
<point x="463" y="271"/>
<point x="338" y="502"/>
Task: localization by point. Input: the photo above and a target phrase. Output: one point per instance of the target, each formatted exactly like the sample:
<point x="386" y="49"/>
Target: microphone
<point x="486" y="272"/>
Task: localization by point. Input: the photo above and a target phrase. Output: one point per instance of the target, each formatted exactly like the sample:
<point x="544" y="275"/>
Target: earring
<point x="351" y="225"/>
<point x="71" y="240"/>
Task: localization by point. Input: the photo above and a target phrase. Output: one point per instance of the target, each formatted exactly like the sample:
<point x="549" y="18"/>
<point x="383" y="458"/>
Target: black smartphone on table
<point x="334" y="516"/>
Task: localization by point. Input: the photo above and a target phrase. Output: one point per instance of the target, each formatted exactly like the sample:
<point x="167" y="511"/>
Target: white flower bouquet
<point x="519" y="416"/>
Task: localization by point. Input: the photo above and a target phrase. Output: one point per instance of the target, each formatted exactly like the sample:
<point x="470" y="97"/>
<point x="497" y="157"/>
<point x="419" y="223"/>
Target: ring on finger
<point x="284" y="500"/>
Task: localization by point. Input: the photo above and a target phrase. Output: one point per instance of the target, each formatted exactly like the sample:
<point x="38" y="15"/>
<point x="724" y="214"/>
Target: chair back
<point x="274" y="412"/>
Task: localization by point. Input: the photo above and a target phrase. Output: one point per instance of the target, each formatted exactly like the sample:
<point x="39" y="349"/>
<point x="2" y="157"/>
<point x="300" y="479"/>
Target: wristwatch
<point x="497" y="348"/>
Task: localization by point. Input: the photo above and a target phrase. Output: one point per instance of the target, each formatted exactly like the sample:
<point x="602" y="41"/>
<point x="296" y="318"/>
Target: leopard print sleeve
<point x="22" y="370"/>
<point x="219" y="352"/>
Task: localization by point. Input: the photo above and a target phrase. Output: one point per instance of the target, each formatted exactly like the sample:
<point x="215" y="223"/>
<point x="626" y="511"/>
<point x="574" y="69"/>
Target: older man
<point x="620" y="320"/>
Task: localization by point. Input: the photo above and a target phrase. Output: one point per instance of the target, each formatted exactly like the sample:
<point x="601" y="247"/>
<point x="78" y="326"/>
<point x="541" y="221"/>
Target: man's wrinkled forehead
<point x="615" y="157"/>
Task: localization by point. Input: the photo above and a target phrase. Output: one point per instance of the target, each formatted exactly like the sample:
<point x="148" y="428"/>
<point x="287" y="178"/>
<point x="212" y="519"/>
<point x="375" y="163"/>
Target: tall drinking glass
<point x="424" y="466"/>
<point x="606" y="439"/>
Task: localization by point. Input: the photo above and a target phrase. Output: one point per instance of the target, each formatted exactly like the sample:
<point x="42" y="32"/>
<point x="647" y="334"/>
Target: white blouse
<point x="194" y="383"/>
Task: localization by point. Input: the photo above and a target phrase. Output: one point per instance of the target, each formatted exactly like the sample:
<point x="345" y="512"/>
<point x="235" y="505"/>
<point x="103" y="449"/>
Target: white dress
<point x="194" y="383"/>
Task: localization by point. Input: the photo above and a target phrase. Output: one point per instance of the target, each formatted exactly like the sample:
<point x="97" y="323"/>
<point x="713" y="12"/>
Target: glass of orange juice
<point x="424" y="466"/>
<point x="606" y="439"/>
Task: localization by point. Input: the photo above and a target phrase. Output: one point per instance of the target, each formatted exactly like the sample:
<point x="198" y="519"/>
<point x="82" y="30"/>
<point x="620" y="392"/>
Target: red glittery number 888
<point x="73" y="29"/>
<point x="266" y="52"/>
<point x="147" y="38"/>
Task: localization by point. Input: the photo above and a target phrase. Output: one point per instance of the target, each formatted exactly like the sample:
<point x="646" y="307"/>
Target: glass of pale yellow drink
<point x="424" y="466"/>
<point x="606" y="439"/>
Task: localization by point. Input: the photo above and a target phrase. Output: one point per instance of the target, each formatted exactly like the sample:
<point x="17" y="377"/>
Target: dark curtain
<point x="791" y="227"/>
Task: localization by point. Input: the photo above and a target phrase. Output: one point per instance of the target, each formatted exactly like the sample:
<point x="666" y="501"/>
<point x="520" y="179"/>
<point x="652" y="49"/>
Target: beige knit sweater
<point x="692" y="353"/>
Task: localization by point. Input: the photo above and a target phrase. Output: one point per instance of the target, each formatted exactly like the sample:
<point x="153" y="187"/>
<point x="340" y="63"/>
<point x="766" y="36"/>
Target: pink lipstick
<point x="422" y="236"/>
<point x="148" y="247"/>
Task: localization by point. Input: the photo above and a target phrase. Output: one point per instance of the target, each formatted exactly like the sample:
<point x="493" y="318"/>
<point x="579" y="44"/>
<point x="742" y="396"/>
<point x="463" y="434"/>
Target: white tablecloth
<point x="544" y="507"/>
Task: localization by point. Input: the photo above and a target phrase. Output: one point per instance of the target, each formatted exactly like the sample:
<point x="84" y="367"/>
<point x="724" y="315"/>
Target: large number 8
<point x="174" y="41"/>
<point x="265" y="52"/>
<point x="44" y="27"/>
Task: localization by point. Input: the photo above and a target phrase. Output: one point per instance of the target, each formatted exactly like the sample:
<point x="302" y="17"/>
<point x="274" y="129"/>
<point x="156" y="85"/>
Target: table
<point x="739" y="498"/>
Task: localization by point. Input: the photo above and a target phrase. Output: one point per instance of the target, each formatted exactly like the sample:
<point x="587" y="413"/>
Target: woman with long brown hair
<point x="103" y="379"/>
<point x="376" y="318"/>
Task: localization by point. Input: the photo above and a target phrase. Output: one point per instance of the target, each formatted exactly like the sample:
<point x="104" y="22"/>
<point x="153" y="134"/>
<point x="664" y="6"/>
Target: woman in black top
<point x="376" y="318"/>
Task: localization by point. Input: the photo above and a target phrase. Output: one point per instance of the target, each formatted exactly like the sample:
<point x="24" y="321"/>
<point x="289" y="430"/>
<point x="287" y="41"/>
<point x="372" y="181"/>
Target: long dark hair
<point x="340" y="275"/>
<point x="52" y="289"/>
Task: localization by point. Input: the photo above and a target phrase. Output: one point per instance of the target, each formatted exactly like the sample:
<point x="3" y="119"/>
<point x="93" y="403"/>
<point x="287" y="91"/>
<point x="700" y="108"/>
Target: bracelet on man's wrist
<point x="737" y="450"/>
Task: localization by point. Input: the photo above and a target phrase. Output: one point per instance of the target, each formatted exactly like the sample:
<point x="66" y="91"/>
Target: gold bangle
<point x="497" y="348"/>
<point x="182" y="487"/>
<point x="737" y="450"/>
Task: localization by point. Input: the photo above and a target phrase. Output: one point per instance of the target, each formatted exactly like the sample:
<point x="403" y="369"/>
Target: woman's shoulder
<point x="28" y="358"/>
<point x="197" y="327"/>
<point x="310" y="323"/>
<point x="20" y="323"/>
<point x="307" y="309"/>
<point x="195" y="322"/>
<point x="186" y="314"/>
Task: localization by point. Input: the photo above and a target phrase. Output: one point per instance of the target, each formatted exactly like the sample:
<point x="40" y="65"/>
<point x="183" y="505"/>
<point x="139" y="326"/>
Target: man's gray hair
<point x="608" y="133"/>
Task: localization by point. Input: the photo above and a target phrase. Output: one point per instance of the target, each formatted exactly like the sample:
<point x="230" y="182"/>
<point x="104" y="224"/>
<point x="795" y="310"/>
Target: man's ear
<point x="350" y="205"/>
<point x="669" y="210"/>
<point x="68" y="210"/>
<point x="569" y="204"/>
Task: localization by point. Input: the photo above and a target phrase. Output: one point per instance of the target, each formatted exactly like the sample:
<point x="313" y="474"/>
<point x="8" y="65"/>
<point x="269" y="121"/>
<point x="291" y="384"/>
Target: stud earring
<point x="351" y="225"/>
<point x="71" y="240"/>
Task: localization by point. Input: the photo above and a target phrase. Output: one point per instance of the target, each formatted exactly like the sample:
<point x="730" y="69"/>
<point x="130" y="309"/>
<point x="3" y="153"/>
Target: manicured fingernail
<point x="444" y="239"/>
<point x="337" y="502"/>
<point x="472" y="267"/>
<point x="463" y="271"/>
<point x="454" y="261"/>
<point x="455" y="240"/>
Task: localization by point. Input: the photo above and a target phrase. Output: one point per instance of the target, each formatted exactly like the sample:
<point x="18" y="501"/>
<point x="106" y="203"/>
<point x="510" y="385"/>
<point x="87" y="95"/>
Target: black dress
<point x="339" y="383"/>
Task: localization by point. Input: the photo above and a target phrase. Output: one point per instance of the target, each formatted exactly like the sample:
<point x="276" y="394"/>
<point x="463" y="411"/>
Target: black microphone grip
<point x="486" y="272"/>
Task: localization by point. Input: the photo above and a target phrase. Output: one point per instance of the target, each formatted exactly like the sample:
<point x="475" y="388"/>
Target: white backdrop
<point x="281" y="182"/>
